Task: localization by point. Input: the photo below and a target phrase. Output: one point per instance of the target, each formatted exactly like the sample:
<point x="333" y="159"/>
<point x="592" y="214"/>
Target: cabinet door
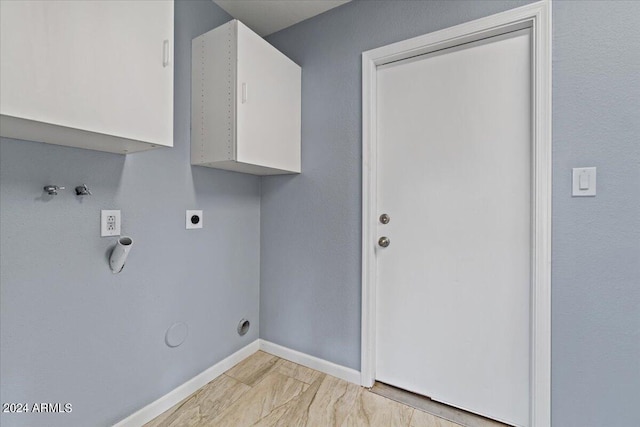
<point x="90" y="65"/>
<point x="268" y="105"/>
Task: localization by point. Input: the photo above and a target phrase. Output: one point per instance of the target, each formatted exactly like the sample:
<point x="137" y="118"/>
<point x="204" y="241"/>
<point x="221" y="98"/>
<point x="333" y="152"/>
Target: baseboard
<point x="312" y="362"/>
<point x="181" y="392"/>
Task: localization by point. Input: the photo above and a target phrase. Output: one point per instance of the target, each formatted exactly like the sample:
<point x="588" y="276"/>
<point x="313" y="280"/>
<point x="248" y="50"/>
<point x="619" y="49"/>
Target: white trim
<point x="538" y="17"/>
<point x="183" y="391"/>
<point x="312" y="362"/>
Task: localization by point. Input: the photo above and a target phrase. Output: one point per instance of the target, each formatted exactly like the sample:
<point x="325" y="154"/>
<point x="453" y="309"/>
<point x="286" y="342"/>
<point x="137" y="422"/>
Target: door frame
<point x="536" y="16"/>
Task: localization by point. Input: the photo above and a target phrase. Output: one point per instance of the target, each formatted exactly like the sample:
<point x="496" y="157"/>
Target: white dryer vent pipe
<point x="120" y="253"/>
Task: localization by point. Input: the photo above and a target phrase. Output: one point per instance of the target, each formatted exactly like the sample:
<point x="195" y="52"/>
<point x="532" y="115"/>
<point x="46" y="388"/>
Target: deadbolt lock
<point x="384" y="241"/>
<point x="384" y="218"/>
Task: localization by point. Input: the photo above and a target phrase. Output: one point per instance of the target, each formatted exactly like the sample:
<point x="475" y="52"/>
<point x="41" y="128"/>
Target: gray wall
<point x="74" y="332"/>
<point x="596" y="241"/>
<point x="311" y="227"/>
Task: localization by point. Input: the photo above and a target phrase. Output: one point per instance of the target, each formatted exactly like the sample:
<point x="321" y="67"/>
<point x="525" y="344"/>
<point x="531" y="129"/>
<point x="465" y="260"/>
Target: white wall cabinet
<point x="88" y="74"/>
<point x="245" y="103"/>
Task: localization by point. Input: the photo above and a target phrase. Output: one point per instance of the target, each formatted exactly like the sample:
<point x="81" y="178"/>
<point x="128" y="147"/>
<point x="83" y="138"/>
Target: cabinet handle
<point x="165" y="53"/>
<point x="245" y="92"/>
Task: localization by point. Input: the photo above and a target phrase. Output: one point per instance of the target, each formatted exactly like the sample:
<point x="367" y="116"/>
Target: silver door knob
<point x="384" y="218"/>
<point x="384" y="241"/>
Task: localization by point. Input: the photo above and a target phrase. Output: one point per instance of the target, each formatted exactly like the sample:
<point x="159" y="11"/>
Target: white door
<point x="455" y="177"/>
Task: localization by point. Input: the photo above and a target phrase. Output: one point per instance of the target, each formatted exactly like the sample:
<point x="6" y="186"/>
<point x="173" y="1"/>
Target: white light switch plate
<point x="193" y="219"/>
<point x="584" y="182"/>
<point x="110" y="222"/>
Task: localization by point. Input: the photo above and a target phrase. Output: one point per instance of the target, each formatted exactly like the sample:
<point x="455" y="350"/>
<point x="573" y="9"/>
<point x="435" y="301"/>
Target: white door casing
<point x="536" y="16"/>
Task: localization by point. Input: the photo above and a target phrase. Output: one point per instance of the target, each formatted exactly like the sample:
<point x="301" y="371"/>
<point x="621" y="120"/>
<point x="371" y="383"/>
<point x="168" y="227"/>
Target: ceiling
<point x="268" y="16"/>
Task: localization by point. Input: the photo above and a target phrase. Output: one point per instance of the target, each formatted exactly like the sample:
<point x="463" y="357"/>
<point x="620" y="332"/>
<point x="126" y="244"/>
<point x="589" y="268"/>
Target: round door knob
<point x="384" y="218"/>
<point x="384" y="241"/>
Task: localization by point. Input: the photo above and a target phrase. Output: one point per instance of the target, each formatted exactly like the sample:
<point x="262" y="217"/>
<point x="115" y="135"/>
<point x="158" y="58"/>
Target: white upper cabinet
<point x="88" y="74"/>
<point x="245" y="103"/>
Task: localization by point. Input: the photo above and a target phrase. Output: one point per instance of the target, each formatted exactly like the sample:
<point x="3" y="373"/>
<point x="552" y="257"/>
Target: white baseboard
<point x="312" y="362"/>
<point x="183" y="391"/>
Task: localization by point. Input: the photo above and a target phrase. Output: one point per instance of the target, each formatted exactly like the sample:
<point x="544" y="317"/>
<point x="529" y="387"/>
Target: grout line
<point x="411" y="417"/>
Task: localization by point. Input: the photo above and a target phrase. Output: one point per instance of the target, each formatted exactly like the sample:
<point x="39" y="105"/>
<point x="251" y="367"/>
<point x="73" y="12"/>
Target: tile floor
<point x="265" y="390"/>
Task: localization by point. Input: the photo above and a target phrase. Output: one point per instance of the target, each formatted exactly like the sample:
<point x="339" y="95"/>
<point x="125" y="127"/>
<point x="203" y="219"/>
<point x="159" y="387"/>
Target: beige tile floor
<point x="265" y="390"/>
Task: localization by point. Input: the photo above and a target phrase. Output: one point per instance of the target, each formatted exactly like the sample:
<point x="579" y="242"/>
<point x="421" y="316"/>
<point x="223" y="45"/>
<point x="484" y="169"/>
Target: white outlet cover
<point x="190" y="222"/>
<point x="584" y="182"/>
<point x="110" y="222"/>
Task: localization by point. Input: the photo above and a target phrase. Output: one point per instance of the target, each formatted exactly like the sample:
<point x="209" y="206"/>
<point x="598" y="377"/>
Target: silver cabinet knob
<point x="384" y="218"/>
<point x="384" y="241"/>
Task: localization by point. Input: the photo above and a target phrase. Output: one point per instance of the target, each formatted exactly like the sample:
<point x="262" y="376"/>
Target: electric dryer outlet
<point x="193" y="219"/>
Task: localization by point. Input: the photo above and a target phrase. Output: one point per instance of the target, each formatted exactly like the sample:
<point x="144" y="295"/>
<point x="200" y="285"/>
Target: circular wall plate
<point x="176" y="334"/>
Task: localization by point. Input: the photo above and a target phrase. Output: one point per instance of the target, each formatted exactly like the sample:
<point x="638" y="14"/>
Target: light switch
<point x="584" y="182"/>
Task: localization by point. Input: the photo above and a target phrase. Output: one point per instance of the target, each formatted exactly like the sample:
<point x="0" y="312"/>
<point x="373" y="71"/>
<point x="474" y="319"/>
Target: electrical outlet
<point x="110" y="223"/>
<point x="194" y="219"/>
